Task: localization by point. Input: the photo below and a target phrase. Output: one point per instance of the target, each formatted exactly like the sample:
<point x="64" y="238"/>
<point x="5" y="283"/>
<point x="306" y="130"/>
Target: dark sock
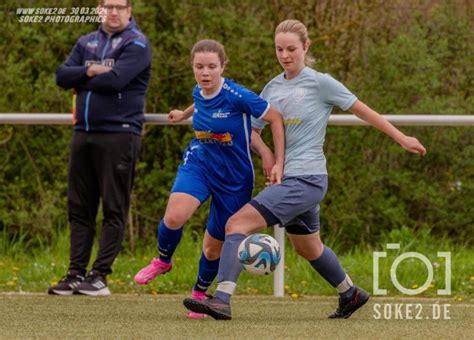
<point x="329" y="267"/>
<point x="168" y="240"/>
<point x="348" y="293"/>
<point x="207" y="273"/>
<point x="229" y="267"/>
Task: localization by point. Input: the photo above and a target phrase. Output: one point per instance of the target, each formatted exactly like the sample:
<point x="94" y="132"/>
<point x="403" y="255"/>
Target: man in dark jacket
<point x="109" y="69"/>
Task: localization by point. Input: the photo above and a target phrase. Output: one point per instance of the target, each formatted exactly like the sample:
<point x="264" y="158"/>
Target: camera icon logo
<point x="407" y="255"/>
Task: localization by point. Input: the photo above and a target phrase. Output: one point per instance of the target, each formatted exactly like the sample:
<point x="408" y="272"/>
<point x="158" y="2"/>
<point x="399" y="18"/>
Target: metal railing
<point x="335" y="120"/>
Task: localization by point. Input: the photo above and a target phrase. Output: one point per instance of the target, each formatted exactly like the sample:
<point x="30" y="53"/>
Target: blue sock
<point x="168" y="240"/>
<point x="229" y="267"/>
<point x="329" y="267"/>
<point x="207" y="273"/>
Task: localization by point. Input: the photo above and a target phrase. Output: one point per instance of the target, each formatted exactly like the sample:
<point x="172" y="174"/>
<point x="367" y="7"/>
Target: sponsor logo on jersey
<point x="292" y="120"/>
<point x="211" y="137"/>
<point x="220" y="114"/>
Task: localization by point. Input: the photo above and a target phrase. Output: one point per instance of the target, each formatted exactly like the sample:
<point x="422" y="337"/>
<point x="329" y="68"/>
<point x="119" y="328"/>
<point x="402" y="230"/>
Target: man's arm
<point x="133" y="60"/>
<point x="72" y="73"/>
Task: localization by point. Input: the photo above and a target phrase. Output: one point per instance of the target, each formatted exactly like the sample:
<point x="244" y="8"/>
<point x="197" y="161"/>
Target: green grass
<point x="146" y="316"/>
<point x="34" y="270"/>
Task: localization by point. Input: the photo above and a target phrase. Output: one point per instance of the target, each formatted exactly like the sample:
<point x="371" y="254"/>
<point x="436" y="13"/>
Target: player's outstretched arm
<point x="411" y="144"/>
<point x="176" y="116"/>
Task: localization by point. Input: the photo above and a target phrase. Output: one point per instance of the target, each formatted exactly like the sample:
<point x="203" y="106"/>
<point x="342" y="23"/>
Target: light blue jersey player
<point x="305" y="98"/>
<point x="216" y="164"/>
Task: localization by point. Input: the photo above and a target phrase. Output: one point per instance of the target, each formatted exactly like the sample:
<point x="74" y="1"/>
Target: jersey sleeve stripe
<point x="264" y="112"/>
<point x="247" y="138"/>
<point x="139" y="43"/>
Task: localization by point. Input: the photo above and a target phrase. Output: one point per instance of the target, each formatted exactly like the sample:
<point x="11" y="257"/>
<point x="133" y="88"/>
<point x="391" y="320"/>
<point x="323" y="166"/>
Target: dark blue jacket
<point x="112" y="101"/>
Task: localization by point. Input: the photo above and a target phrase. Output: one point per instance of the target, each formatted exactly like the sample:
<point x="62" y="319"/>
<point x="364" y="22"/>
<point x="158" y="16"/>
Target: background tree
<point x="401" y="57"/>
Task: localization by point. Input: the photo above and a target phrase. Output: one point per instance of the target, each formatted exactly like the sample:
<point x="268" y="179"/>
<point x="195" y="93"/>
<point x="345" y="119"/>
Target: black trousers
<point x="101" y="167"/>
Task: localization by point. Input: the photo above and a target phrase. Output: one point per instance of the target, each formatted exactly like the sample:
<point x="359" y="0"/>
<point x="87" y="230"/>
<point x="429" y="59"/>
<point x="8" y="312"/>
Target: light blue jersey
<point x="305" y="103"/>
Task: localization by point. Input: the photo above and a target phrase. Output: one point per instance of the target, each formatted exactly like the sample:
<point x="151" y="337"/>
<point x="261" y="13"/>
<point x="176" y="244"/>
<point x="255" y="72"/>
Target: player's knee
<point x="309" y="251"/>
<point x="211" y="253"/>
<point x="174" y="220"/>
<point x="303" y="252"/>
<point x="318" y="248"/>
<point x="298" y="250"/>
<point x="315" y="253"/>
<point x="234" y="225"/>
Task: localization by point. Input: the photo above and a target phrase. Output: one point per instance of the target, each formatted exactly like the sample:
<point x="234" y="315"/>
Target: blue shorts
<point x="294" y="203"/>
<point x="193" y="180"/>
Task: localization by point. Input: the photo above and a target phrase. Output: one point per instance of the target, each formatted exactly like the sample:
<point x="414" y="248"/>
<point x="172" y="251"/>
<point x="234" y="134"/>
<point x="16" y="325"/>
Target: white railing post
<point x="279" y="274"/>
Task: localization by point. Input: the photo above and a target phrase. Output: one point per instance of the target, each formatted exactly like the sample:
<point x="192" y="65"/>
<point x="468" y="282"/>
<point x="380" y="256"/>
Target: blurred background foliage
<point x="400" y="57"/>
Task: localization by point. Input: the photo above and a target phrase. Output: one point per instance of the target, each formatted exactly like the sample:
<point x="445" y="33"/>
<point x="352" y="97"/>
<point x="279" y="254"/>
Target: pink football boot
<point x="197" y="296"/>
<point x="155" y="268"/>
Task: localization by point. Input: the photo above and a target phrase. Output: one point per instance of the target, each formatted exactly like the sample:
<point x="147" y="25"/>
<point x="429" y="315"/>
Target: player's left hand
<point x="411" y="144"/>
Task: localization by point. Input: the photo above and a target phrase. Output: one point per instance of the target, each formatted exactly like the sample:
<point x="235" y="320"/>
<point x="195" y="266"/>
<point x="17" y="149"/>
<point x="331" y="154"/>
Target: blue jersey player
<point x="305" y="99"/>
<point x="217" y="163"/>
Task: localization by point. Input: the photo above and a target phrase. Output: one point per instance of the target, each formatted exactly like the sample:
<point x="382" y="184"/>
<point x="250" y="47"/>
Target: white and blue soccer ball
<point x="259" y="254"/>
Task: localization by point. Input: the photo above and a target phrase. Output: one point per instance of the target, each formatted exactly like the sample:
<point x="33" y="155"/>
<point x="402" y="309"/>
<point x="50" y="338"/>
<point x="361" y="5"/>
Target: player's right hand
<point x="276" y="174"/>
<point x="268" y="161"/>
<point x="175" y="116"/>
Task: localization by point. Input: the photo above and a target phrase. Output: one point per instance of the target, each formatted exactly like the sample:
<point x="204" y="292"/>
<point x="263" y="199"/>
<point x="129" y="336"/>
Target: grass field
<point x="25" y="270"/>
<point x="156" y="310"/>
<point x="255" y="317"/>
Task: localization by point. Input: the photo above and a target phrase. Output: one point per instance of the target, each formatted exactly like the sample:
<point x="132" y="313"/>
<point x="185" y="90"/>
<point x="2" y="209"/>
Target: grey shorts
<point x="294" y="203"/>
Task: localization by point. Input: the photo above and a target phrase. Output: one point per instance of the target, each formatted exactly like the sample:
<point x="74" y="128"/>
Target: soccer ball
<point x="259" y="254"/>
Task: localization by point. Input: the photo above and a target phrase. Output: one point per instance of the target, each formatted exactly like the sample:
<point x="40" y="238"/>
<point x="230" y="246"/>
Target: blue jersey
<point x="222" y="128"/>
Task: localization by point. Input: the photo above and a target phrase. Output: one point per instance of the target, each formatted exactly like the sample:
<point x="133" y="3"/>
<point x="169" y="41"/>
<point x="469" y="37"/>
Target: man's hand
<point x="96" y="69"/>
